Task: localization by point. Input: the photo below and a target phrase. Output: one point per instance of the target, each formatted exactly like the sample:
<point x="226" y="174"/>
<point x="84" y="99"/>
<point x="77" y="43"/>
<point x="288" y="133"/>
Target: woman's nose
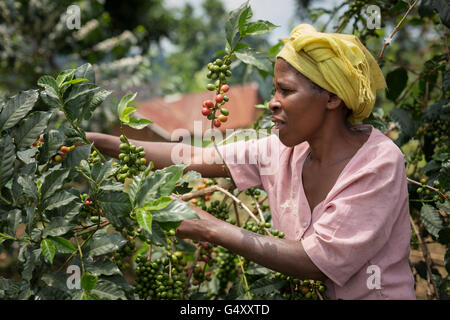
<point x="274" y="105"/>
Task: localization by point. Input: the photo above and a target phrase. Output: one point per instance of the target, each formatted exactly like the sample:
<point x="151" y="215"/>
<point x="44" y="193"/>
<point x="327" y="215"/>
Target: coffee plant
<point x="80" y="225"/>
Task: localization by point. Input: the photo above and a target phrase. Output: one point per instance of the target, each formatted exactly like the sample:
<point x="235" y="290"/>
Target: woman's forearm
<point x="162" y="154"/>
<point x="282" y="255"/>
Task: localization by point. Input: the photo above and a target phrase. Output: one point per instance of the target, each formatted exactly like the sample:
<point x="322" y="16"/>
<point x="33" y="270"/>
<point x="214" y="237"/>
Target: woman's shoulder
<point x="379" y="150"/>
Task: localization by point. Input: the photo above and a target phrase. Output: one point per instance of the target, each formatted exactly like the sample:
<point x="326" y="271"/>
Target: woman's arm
<point x="282" y="255"/>
<point x="160" y="153"/>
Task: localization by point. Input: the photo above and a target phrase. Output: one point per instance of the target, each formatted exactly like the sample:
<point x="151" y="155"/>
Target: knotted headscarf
<point x="339" y="63"/>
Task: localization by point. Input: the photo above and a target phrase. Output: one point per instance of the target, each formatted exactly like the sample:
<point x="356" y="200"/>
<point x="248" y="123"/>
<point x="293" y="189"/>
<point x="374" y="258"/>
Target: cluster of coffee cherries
<point x="429" y="194"/>
<point x="121" y="256"/>
<point x="219" y="70"/>
<point x="90" y="210"/>
<point x="259" y="228"/>
<point x="161" y="279"/>
<point x="297" y="289"/>
<point x="218" y="210"/>
<point x="132" y="159"/>
<point x="63" y="151"/>
<point x="227" y="268"/>
<point x="93" y="158"/>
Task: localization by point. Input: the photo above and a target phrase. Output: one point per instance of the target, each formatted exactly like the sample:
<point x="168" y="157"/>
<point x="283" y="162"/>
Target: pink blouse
<point x="359" y="235"/>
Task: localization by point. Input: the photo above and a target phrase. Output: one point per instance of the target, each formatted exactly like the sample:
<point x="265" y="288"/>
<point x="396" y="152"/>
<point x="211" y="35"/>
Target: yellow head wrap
<point x="339" y="63"/>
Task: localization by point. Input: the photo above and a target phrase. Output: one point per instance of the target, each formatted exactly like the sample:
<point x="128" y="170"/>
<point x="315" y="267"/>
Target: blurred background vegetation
<point x="149" y="47"/>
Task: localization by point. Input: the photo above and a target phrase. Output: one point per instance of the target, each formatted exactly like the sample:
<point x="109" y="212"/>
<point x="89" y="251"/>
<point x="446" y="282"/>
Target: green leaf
<point x="259" y="60"/>
<point x="58" y="199"/>
<point x="62" y="245"/>
<point x="53" y="140"/>
<point x="102" y="171"/>
<point x="407" y="125"/>
<point x="7" y="158"/>
<point x="244" y="20"/>
<point x="108" y="290"/>
<point x="273" y="50"/>
<point x="102" y="267"/>
<point x="138" y="123"/>
<point x="232" y="23"/>
<point x="48" y="250"/>
<point x="4" y="237"/>
<point x="29" y="130"/>
<point x="73" y="81"/>
<point x="85" y="71"/>
<point x="29" y="258"/>
<point x="176" y="211"/>
<point x="160" y="183"/>
<point x="74" y="157"/>
<point x="57" y="227"/>
<point x="78" y="101"/>
<point x="114" y="204"/>
<point x="48" y="82"/>
<point x="89" y="296"/>
<point x="265" y="286"/>
<point x="103" y="243"/>
<point x="431" y="219"/>
<point x="14" y="219"/>
<point x="16" y="108"/>
<point x="396" y="81"/>
<point x="51" y="98"/>
<point x="443" y="9"/>
<point x="444" y="175"/>
<point x="56" y="279"/>
<point x="260" y="27"/>
<point x="122" y="108"/>
<point x="53" y="181"/>
<point x="88" y="281"/>
<point x="158" y="204"/>
<point x="27" y="156"/>
<point x="65" y="76"/>
<point x="98" y="98"/>
<point x="144" y="218"/>
<point x="29" y="187"/>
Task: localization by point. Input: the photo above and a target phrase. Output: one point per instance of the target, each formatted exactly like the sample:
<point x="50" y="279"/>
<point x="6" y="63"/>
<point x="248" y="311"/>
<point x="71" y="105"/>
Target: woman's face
<point x="298" y="109"/>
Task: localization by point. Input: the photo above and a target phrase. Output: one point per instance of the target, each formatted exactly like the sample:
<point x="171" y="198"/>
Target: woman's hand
<point x="197" y="229"/>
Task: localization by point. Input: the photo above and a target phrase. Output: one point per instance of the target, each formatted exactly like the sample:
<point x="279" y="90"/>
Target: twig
<point x="388" y="40"/>
<point x="239" y="202"/>
<point x="426" y="186"/>
<point x="198" y="193"/>
<point x="425" y="254"/>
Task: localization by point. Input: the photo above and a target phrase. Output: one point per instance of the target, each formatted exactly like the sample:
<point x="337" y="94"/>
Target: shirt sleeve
<point x="243" y="158"/>
<point x="357" y="222"/>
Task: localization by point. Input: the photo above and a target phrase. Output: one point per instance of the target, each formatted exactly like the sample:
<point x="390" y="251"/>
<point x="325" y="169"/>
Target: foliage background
<point x="123" y="42"/>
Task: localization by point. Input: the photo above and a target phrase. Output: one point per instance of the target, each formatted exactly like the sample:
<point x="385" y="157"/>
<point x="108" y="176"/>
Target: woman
<point x="339" y="194"/>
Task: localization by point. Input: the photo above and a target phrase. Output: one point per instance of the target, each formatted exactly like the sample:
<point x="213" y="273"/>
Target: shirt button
<point x="305" y="224"/>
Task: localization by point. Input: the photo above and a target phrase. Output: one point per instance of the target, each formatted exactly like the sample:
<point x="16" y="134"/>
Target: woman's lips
<point x="278" y="123"/>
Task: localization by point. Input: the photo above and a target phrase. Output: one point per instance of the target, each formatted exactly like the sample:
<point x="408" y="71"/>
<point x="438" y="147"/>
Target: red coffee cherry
<point x="219" y="98"/>
<point x="206" y="111"/>
<point x="208" y="104"/>
<point x="217" y="123"/>
<point x="224" y="88"/>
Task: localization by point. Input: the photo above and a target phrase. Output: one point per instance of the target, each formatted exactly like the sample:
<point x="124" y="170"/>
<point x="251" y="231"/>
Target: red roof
<point x="180" y="111"/>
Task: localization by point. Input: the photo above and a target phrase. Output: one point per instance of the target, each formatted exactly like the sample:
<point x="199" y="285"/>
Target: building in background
<point x="181" y="111"/>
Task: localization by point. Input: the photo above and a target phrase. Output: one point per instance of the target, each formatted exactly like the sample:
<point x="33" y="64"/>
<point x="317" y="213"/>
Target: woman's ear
<point x="334" y="101"/>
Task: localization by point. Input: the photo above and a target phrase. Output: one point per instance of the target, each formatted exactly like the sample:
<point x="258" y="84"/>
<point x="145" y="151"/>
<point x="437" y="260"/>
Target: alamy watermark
<point x="73" y="17"/>
<point x="74" y="278"/>
<point x="373" y="13"/>
<point x="374" y="280"/>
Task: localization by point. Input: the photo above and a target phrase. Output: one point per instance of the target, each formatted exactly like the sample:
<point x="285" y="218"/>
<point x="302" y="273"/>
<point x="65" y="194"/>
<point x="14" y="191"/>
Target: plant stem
<point x="388" y="40"/>
<point x="247" y="289"/>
